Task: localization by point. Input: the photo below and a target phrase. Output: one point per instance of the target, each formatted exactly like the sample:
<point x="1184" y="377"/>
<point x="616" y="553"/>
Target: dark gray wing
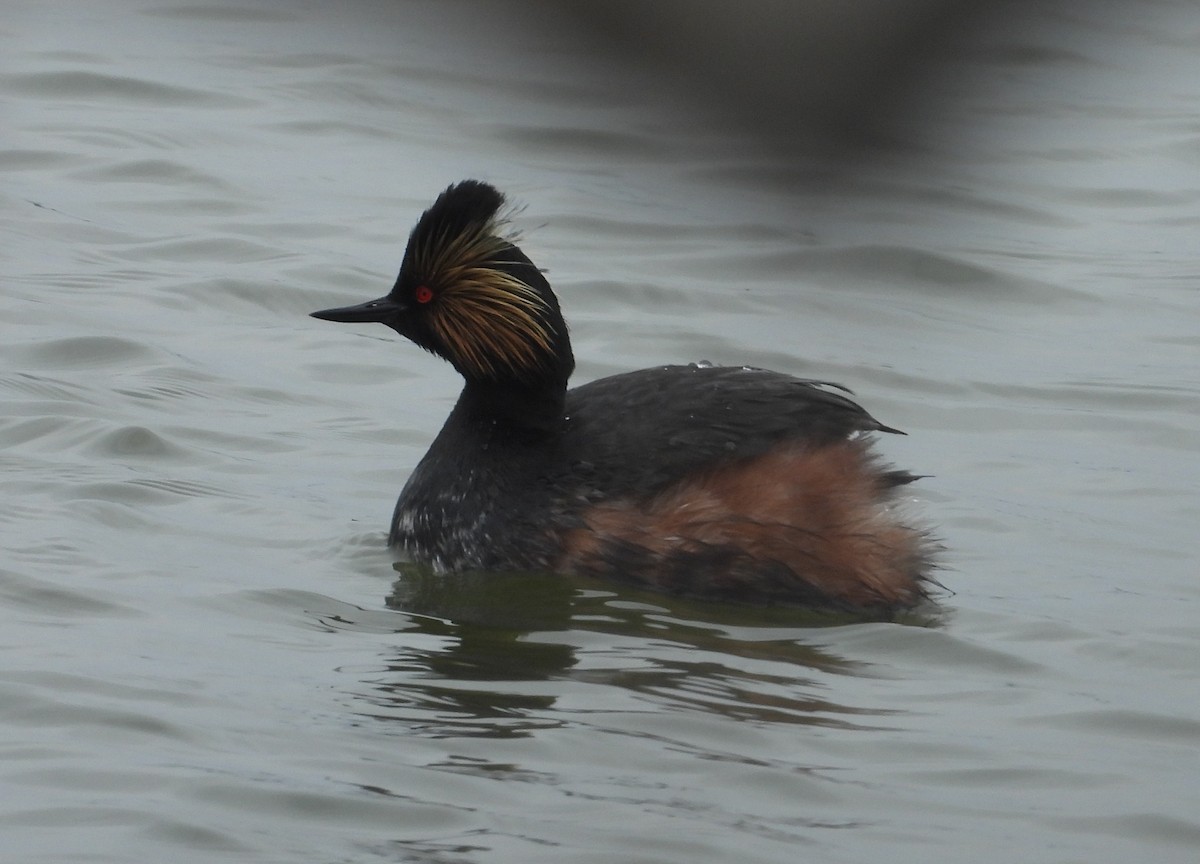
<point x="639" y="431"/>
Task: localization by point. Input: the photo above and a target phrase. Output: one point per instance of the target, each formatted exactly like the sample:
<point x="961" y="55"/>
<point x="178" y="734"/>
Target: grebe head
<point x="467" y="293"/>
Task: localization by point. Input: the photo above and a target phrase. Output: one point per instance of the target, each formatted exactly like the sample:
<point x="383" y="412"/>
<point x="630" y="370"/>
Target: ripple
<point x="105" y="88"/>
<point x="914" y="270"/>
<point x="173" y="383"/>
<point x="309" y="60"/>
<point x="156" y="171"/>
<point x="1146" y="725"/>
<point x="337" y="129"/>
<point x="599" y="142"/>
<point x="83" y="352"/>
<point x="24" y="160"/>
<point x="47" y="599"/>
<point x="34" y="707"/>
<point x="134" y="441"/>
<point x="187" y="488"/>
<point x="1151" y="829"/>
<point x="235" y="14"/>
<point x="227" y="249"/>
<point x="37" y="385"/>
<point x="1127" y="197"/>
<point x="924" y="270"/>
<point x="53" y="433"/>
<point x="931" y="647"/>
<point x="144" y="492"/>
<point x="311" y="611"/>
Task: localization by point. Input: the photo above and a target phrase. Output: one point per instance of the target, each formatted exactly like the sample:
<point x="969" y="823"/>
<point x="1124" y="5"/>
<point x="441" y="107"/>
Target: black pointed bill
<point x="382" y="310"/>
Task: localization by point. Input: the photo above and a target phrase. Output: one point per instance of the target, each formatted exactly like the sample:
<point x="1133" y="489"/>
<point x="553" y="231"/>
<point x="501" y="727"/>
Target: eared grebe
<point x="719" y="482"/>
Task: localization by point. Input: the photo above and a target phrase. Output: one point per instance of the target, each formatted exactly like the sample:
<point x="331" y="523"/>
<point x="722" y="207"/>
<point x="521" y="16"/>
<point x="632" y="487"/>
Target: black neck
<point x="512" y="409"/>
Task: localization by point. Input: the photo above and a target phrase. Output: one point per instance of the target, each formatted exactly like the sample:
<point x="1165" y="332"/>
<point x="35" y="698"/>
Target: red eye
<point x="423" y="294"/>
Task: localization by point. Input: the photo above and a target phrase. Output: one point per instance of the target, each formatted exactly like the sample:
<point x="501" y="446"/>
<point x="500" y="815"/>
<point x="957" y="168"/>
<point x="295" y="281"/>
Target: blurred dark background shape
<point x="810" y="73"/>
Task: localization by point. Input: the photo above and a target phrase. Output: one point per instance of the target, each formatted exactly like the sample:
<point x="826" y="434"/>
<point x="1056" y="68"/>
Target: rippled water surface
<point x="207" y="652"/>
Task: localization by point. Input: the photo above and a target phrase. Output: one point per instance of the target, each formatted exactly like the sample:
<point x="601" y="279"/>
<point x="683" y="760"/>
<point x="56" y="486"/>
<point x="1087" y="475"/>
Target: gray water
<point x="207" y="652"/>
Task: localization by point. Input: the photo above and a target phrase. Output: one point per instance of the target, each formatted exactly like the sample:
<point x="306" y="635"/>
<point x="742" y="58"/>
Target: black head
<point x="468" y="294"/>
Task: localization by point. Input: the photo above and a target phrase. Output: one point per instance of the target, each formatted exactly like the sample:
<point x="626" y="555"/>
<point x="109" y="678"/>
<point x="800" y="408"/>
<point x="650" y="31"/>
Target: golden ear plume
<point x="488" y="319"/>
